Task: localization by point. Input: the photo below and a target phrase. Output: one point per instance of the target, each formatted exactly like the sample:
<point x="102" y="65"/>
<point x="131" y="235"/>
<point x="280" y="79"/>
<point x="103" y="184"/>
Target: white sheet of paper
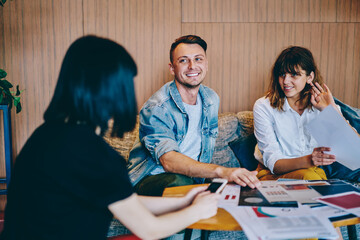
<point x="230" y="195"/>
<point x="275" y="193"/>
<point x="281" y="191"/>
<point x="329" y="211"/>
<point x="284" y="223"/>
<point x="332" y="130"/>
<point x="348" y="201"/>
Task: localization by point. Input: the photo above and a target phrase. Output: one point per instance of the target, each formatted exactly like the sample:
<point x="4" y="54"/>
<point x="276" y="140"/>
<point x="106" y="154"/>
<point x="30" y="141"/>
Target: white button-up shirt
<point x="282" y="134"/>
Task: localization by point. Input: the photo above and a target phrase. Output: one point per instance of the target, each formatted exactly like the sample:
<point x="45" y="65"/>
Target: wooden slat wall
<point x="271" y="11"/>
<point x="241" y="56"/>
<point x="146" y="28"/>
<point x="244" y="38"/>
<point x="35" y="37"/>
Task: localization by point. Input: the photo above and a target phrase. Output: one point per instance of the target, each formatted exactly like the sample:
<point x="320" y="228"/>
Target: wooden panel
<point x="356" y="64"/>
<point x="241" y="56"/>
<point x="348" y="11"/>
<point x="35" y="42"/>
<point x="35" y="36"/>
<point x="269" y="10"/>
<point x="146" y="28"/>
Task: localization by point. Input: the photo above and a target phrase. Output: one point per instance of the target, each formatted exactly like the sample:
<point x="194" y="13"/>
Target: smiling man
<point x="179" y="126"/>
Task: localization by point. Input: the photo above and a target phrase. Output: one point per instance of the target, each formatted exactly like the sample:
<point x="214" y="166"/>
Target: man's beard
<point x="187" y="85"/>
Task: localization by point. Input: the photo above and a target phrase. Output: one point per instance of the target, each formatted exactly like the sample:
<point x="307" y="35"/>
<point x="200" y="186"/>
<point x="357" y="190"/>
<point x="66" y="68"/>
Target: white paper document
<point x="329" y="211"/>
<point x="348" y="201"/>
<point x="230" y="195"/>
<point x="274" y="192"/>
<point x="295" y="190"/>
<point x="282" y="223"/>
<point x="332" y="130"/>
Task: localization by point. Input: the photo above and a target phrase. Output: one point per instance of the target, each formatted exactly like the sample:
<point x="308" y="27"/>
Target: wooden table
<point x="223" y="221"/>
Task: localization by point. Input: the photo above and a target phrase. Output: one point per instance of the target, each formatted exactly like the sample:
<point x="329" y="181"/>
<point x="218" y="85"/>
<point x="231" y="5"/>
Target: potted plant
<point x="8" y="97"/>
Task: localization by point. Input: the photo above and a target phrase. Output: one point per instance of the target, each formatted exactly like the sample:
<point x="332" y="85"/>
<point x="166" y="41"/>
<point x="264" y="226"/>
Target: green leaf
<point x="5" y="84"/>
<point x="16" y="100"/>
<point x="2" y="72"/>
<point x="17" y="91"/>
<point x="18" y="107"/>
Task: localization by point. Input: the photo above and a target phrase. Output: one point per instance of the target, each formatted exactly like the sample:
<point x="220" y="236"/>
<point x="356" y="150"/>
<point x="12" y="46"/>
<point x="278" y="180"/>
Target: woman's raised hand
<point x="320" y="97"/>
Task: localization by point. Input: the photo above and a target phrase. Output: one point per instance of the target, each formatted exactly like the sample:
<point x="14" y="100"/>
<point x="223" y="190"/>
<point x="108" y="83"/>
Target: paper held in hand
<point x="332" y="130"/>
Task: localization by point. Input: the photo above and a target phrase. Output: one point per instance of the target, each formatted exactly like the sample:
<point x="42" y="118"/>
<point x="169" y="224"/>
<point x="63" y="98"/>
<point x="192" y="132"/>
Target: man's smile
<point x="192" y="74"/>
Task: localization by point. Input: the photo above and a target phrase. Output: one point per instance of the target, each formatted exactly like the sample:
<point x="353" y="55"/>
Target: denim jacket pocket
<point x="180" y="137"/>
<point x="211" y="131"/>
<point x="214" y="131"/>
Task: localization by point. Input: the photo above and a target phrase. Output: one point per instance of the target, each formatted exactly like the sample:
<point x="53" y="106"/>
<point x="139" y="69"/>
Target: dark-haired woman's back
<point x="64" y="179"/>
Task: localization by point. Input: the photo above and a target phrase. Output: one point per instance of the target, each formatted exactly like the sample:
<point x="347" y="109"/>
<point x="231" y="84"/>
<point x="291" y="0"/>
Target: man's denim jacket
<point x="163" y="126"/>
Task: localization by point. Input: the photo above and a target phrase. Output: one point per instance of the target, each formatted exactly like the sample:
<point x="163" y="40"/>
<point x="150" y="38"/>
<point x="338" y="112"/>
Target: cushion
<point x="243" y="148"/>
<point x="225" y="157"/>
<point x="228" y="125"/>
<point x="246" y="123"/>
<point x="123" y="145"/>
<point x="228" y="128"/>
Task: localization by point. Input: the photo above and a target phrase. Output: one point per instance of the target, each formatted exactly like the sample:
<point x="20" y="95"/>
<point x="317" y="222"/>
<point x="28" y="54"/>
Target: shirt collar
<point x="205" y="98"/>
<point x="287" y="107"/>
<point x="175" y="95"/>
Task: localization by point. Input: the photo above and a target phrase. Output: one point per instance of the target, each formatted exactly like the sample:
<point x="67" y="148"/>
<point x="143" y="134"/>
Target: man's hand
<point x="178" y="163"/>
<point x="240" y="176"/>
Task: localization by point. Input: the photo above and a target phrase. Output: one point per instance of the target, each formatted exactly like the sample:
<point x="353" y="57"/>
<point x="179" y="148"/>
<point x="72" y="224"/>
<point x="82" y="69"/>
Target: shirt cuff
<point x="165" y="146"/>
<point x="270" y="162"/>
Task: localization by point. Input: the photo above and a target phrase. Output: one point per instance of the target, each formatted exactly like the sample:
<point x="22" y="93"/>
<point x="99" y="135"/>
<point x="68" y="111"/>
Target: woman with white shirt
<point x="296" y="95"/>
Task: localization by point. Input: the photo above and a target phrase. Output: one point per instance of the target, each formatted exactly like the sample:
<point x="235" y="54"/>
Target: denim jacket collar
<point x="175" y="95"/>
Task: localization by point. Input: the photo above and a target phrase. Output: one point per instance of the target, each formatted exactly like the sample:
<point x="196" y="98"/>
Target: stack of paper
<point x="260" y="216"/>
<point x="348" y="201"/>
<point x="282" y="223"/>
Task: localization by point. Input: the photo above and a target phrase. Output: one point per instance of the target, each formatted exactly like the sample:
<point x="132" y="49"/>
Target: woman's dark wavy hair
<point x="289" y="61"/>
<point x="95" y="85"/>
